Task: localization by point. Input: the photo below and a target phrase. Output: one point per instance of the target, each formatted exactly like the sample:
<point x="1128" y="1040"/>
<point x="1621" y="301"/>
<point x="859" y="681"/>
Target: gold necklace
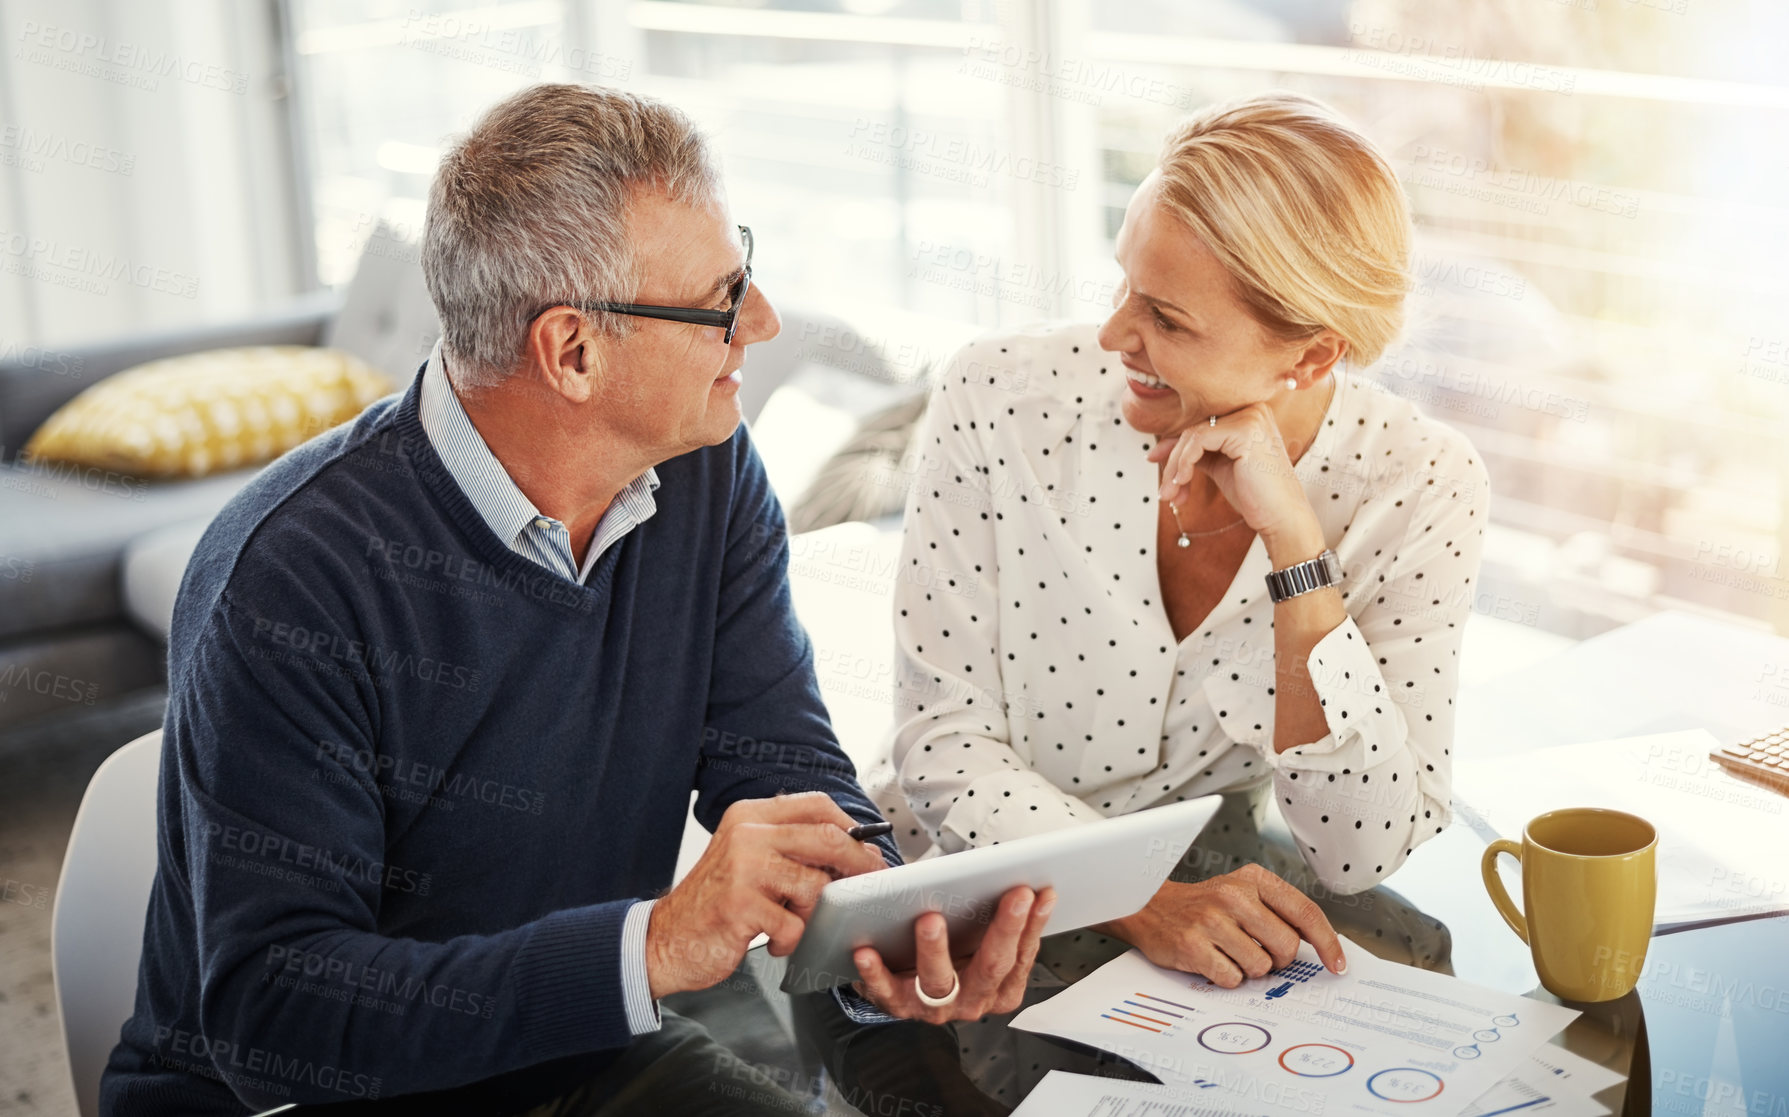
<point x="1187" y="537"/>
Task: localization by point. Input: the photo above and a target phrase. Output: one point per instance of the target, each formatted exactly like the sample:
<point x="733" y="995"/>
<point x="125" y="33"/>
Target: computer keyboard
<point x="1762" y="759"/>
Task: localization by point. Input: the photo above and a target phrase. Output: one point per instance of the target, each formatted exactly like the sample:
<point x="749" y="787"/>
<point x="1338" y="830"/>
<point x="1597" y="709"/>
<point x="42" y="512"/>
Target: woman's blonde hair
<point x="1304" y="213"/>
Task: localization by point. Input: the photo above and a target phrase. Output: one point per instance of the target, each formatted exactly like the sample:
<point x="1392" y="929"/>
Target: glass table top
<point x="1432" y="913"/>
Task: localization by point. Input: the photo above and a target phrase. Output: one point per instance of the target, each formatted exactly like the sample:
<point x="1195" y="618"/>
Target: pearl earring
<point x="1292" y="383"/>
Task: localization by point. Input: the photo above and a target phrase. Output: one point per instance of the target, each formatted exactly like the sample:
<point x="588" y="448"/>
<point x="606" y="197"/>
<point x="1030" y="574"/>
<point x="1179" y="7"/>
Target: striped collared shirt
<point x="510" y="514"/>
<point x="515" y="520"/>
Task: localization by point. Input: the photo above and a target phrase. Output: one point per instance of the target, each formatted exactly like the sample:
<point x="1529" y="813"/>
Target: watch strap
<point x="1304" y="577"/>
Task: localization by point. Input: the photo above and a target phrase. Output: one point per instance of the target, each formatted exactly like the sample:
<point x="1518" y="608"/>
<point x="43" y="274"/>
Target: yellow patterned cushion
<point x="209" y="412"/>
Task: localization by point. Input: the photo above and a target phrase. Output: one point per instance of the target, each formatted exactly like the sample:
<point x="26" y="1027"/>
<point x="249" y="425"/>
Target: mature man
<point x="411" y="826"/>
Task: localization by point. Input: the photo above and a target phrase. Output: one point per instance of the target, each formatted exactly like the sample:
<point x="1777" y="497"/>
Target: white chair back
<point x="96" y="927"/>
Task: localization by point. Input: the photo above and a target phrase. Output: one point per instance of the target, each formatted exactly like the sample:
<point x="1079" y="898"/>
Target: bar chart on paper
<point x="1147" y="1010"/>
<point x="1381" y="1038"/>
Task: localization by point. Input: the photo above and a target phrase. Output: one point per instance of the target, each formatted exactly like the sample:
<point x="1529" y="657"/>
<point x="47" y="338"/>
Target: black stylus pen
<point x="871" y="830"/>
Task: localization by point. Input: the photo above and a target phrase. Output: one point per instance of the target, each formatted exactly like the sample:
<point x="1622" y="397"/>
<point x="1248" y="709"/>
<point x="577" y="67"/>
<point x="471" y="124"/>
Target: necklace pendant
<point x="1184" y="541"/>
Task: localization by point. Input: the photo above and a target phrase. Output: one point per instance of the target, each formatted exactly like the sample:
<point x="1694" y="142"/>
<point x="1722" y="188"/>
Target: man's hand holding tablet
<point x="763" y="872"/>
<point x="940" y="989"/>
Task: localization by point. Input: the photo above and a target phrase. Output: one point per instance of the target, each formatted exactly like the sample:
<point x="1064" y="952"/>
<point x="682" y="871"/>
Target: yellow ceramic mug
<point x="1589" y="878"/>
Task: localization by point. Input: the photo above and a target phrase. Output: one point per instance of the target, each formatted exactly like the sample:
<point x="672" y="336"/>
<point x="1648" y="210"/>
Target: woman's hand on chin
<point x="1245" y="456"/>
<point x="1242" y="924"/>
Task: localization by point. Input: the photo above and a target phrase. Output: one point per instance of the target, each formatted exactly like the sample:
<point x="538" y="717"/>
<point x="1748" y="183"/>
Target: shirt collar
<point x="475" y="469"/>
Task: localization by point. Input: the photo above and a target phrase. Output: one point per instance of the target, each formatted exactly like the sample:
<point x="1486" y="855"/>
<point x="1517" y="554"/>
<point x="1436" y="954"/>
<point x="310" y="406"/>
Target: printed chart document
<point x="1062" y="1094"/>
<point x="1382" y="1038"/>
<point x="1552" y="1081"/>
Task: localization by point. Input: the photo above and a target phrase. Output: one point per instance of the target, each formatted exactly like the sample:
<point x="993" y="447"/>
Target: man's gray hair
<point x="529" y="210"/>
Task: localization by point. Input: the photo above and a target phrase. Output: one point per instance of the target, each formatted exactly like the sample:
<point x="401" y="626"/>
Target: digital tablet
<point x="1102" y="870"/>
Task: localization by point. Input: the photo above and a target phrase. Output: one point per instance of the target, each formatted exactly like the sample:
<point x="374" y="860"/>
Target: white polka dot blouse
<point x="1038" y="682"/>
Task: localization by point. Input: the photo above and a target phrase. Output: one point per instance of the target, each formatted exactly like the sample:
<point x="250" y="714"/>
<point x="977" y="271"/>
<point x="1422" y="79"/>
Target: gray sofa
<point x="64" y="633"/>
<point x="89" y="559"/>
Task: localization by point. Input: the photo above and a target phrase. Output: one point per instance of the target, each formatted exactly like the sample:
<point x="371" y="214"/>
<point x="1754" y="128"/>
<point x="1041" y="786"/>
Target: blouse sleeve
<point x="958" y="770"/>
<point x="1360" y="799"/>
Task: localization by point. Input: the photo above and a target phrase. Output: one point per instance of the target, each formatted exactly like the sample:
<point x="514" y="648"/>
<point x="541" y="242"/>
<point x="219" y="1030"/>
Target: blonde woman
<point x="1185" y="551"/>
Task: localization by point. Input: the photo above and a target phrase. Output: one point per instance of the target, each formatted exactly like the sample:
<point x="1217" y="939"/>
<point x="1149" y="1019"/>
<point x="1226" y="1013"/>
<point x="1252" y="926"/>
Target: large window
<point x="1597" y="186"/>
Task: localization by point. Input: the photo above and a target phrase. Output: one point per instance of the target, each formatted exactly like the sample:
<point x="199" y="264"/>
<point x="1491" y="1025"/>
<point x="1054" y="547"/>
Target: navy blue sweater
<point x="411" y="781"/>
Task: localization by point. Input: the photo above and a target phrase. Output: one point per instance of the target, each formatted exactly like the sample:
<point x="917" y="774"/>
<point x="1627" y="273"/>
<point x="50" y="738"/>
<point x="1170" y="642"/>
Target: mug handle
<point x="1487" y="868"/>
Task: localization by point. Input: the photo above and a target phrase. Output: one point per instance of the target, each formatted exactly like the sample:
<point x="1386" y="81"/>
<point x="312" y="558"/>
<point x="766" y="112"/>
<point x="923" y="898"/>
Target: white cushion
<point x="387" y="318"/>
<point x="152" y="567"/>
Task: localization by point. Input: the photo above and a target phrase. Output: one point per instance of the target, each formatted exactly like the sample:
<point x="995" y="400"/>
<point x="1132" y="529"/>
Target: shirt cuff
<point x="636" y="988"/>
<point x="1358" y="706"/>
<point x="858" y="1008"/>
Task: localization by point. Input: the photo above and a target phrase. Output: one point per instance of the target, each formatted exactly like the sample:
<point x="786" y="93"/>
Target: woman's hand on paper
<point x="1229" y="928"/>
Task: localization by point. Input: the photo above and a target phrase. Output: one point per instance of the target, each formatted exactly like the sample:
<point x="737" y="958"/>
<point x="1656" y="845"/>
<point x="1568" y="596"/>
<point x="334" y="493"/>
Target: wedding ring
<point x="1214" y="420"/>
<point x="938" y="1002"/>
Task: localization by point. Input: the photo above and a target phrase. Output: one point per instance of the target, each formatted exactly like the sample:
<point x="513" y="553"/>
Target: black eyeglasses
<point x="727" y="319"/>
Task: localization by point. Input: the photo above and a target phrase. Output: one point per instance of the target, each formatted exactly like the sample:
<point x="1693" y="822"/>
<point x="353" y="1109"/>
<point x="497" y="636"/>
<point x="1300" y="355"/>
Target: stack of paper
<point x="1382" y="1038"/>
